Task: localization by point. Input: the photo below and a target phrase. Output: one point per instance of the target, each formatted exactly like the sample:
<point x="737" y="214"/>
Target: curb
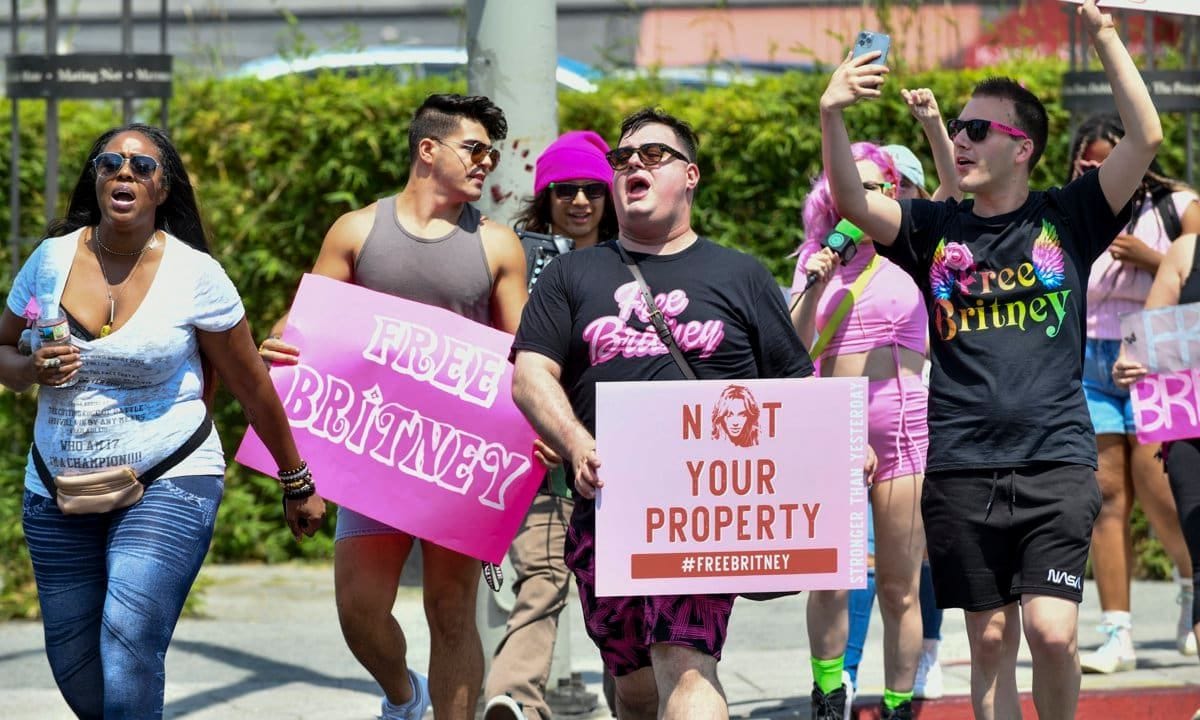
<point x="1169" y="703"/>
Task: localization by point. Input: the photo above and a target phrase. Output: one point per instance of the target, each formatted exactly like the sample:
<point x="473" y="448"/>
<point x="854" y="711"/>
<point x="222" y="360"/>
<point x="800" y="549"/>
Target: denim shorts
<point x="353" y="524"/>
<point x="1110" y="406"/>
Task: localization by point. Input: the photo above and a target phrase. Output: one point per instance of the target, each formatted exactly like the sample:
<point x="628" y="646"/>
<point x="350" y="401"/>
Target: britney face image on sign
<point x="735" y="416"/>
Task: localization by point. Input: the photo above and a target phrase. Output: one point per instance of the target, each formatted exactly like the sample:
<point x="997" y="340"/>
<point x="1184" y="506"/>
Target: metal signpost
<point x="50" y="76"/>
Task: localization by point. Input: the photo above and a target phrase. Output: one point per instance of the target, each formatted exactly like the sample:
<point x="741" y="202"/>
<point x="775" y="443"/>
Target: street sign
<point x="96" y="76"/>
<point x="1172" y="90"/>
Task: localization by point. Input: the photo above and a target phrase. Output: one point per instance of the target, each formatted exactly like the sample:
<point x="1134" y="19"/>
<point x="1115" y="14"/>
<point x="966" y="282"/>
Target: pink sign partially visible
<point x="718" y="486"/>
<point x="1176" y="7"/>
<point x="1163" y="339"/>
<point x="1166" y="406"/>
<point x="404" y="413"/>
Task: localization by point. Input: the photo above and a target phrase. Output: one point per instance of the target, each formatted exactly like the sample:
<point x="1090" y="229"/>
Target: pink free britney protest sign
<point x="1166" y="406"/>
<point x="729" y="486"/>
<point x="1166" y="402"/>
<point x="404" y="413"/>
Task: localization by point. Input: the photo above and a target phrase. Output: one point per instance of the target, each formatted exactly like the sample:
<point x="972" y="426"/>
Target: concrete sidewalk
<point x="269" y="647"/>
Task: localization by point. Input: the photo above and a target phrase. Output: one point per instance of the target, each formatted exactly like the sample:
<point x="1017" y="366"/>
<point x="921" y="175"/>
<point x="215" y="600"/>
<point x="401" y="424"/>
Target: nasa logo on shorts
<point x="1062" y="578"/>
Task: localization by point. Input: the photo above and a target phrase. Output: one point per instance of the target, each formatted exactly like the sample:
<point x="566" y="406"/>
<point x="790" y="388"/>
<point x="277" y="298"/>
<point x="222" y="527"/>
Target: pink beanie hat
<point x="578" y="154"/>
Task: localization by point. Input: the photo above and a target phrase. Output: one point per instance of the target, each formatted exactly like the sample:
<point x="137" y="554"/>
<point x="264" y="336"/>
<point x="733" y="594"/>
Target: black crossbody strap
<point x="199" y="436"/>
<point x="656" y="316"/>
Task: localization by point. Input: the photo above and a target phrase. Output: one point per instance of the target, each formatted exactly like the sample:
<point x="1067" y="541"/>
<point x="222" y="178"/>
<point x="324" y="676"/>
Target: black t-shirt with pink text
<point x="725" y="310"/>
<point x="1007" y="300"/>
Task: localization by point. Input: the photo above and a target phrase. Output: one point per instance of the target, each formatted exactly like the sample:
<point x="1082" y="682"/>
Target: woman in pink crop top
<point x="1119" y="282"/>
<point x="883" y="337"/>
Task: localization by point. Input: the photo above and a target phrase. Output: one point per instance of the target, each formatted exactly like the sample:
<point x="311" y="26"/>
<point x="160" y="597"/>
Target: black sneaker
<point x="834" y="706"/>
<point x="903" y="711"/>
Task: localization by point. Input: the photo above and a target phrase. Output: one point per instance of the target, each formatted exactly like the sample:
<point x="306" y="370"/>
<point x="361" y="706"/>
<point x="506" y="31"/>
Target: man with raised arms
<point x="1010" y="492"/>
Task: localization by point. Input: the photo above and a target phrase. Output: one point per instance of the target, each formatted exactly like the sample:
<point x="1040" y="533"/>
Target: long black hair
<point x="534" y="215"/>
<point x="178" y="215"/>
<point x="1108" y="127"/>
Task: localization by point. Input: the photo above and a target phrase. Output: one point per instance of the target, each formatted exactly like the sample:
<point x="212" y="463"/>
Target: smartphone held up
<point x="868" y="42"/>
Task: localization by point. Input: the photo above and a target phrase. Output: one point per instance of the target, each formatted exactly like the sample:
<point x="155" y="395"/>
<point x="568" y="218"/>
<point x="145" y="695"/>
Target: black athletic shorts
<point x="994" y="535"/>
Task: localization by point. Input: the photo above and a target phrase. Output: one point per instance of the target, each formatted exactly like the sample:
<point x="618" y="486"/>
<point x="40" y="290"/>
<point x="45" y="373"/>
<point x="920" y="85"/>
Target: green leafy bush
<point x="274" y="163"/>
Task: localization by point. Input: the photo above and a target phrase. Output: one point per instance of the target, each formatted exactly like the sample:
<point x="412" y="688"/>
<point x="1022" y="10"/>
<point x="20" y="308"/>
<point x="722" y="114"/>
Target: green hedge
<point x="276" y="162"/>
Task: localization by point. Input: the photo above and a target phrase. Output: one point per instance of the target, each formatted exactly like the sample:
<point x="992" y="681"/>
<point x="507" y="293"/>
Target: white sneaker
<point x="414" y="709"/>
<point x="503" y="707"/>
<point x="929" y="683"/>
<point x="1185" y="639"/>
<point x="1116" y="654"/>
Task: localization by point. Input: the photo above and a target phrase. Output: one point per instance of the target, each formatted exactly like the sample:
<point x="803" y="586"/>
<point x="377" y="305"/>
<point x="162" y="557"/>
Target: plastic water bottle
<point x="52" y="328"/>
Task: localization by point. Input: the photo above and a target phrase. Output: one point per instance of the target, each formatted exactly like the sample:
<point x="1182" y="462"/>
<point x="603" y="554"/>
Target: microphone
<point x="843" y="240"/>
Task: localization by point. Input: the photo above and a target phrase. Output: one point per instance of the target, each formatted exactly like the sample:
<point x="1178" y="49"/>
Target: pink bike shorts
<point x="898" y="428"/>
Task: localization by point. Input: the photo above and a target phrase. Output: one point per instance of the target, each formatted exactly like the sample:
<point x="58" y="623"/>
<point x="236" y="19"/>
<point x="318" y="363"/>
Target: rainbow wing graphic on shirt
<point x="1048" y="257"/>
<point x="941" y="277"/>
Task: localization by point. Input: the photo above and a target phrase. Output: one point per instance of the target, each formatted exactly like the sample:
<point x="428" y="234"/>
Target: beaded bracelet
<point x="302" y="470"/>
<point x="302" y="493"/>
<point x="304" y="479"/>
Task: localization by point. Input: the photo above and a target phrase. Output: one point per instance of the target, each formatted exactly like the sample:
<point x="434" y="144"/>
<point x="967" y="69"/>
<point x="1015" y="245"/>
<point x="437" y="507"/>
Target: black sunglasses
<point x="478" y="150"/>
<point x="568" y="191"/>
<point x="651" y="155"/>
<point x="110" y="163"/>
<point x="977" y="129"/>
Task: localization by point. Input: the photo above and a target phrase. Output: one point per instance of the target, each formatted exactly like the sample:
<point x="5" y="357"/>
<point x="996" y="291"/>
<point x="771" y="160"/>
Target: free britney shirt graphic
<point x="1009" y="297"/>
<point x="611" y="336"/>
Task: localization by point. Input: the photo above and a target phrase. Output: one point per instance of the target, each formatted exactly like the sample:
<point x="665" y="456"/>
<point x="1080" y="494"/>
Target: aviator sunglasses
<point x="977" y="129"/>
<point x="478" y="150"/>
<point x="568" y="191"/>
<point x="651" y="155"/>
<point x="110" y="163"/>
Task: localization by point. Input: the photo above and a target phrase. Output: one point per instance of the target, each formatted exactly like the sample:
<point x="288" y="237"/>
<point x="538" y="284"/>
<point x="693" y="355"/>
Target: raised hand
<point x="922" y="104"/>
<point x="854" y="79"/>
<point x="1094" y="20"/>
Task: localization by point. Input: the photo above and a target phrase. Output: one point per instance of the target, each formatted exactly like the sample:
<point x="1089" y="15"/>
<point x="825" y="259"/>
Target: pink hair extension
<point x="819" y="213"/>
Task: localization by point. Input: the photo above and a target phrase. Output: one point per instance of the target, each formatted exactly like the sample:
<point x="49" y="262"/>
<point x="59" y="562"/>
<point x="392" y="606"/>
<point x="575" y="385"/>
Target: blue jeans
<point x="111" y="588"/>
<point x="861" y="602"/>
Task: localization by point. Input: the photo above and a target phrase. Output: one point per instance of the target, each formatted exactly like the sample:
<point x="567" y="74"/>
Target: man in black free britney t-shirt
<point x="1010" y="493"/>
<point x="586" y="322"/>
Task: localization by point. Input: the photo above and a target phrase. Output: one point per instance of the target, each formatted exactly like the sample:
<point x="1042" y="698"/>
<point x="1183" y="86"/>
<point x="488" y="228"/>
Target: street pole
<point x="512" y="55"/>
<point x="51" y="117"/>
<point x="14" y="157"/>
<point x="126" y="48"/>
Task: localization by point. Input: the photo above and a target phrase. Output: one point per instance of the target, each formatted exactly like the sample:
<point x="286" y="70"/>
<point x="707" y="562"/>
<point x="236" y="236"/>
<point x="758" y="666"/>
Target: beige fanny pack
<point x="112" y="488"/>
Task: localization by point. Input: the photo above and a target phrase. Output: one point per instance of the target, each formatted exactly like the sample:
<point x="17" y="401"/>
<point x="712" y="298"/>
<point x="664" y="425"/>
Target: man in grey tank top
<point x="427" y="244"/>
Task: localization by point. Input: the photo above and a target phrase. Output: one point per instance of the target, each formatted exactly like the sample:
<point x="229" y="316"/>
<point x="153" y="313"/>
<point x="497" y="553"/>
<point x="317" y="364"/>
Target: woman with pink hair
<point x="866" y="318"/>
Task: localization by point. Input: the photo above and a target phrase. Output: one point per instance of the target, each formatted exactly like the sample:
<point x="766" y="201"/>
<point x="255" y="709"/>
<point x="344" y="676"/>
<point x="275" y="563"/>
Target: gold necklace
<point x="107" y="328"/>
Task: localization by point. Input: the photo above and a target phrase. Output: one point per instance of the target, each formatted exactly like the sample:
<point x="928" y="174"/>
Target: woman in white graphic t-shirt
<point x="148" y="309"/>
